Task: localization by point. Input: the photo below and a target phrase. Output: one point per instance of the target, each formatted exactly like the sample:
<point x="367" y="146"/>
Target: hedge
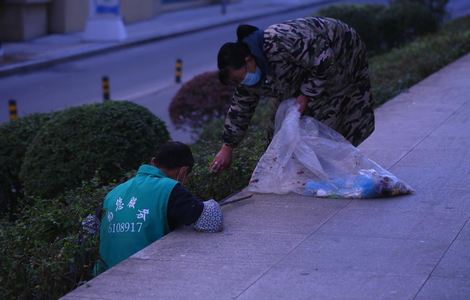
<point x="207" y="185"/>
<point x="385" y="27"/>
<point x="15" y="137"/>
<point x="403" y="21"/>
<point x="437" y="7"/>
<point x="401" y="68"/>
<point x="200" y="99"/>
<point x="44" y="254"/>
<point x="104" y="140"/>
<point x="364" y="18"/>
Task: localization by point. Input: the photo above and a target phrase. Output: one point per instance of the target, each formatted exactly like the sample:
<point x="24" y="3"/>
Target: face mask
<point x="252" y="78"/>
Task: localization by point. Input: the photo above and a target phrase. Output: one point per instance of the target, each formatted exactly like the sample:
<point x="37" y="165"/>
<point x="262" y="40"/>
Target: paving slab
<point x="295" y="247"/>
<point x="229" y="247"/>
<point x="385" y="157"/>
<point x="294" y="282"/>
<point x="271" y="218"/>
<point x="388" y="256"/>
<point x="434" y="178"/>
<point x="441" y="288"/>
<point x="456" y="261"/>
<point x="424" y="200"/>
<point x="292" y="200"/>
<point x="465" y="233"/>
<point x="440" y="158"/>
<point x="441" y="226"/>
<point x="147" y="279"/>
<point x="421" y="178"/>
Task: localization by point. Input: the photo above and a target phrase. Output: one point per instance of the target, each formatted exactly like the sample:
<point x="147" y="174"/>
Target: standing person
<point x="321" y="62"/>
<point x="148" y="206"/>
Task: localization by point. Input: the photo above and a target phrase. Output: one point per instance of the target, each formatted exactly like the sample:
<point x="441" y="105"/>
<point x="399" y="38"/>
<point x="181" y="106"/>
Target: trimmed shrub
<point x="364" y="18"/>
<point x="456" y="26"/>
<point x="45" y="253"/>
<point x="403" y="21"/>
<point x="437" y="7"/>
<point x="105" y="140"/>
<point x="200" y="99"/>
<point x="15" y="138"/>
<point x="245" y="157"/>
<point x="384" y="27"/>
<point x="396" y="71"/>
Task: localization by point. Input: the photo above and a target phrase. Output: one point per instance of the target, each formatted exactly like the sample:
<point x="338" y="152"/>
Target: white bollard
<point x="104" y="22"/>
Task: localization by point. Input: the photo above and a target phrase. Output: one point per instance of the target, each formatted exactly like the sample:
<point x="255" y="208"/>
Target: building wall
<point x="137" y="10"/>
<point x="23" y="19"/>
<point x="67" y="15"/>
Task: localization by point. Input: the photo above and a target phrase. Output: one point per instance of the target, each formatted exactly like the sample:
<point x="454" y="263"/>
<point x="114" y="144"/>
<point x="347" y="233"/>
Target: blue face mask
<point x="252" y="78"/>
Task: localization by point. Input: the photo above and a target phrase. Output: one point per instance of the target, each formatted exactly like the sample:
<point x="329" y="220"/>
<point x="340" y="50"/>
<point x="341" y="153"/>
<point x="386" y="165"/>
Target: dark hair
<point x="245" y="30"/>
<point x="172" y="155"/>
<point x="231" y="56"/>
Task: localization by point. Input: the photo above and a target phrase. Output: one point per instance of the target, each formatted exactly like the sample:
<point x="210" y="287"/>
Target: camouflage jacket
<point x="322" y="58"/>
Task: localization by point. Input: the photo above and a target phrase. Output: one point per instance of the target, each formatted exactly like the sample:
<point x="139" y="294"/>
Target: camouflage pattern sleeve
<point x="239" y="115"/>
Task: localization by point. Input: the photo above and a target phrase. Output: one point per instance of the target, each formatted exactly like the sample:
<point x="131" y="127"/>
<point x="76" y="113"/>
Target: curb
<point x="26" y="67"/>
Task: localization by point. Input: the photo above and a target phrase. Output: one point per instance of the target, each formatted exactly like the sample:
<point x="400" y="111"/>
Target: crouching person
<point x="151" y="204"/>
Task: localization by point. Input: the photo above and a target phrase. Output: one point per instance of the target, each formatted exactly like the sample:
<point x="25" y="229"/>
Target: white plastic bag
<point x="307" y="157"/>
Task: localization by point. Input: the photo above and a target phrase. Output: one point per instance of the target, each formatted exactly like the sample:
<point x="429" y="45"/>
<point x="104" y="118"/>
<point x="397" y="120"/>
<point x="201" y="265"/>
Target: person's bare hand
<point x="222" y="159"/>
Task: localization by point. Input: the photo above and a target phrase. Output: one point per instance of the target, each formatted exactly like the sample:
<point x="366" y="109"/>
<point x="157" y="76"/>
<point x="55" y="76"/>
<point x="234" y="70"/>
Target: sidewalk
<point x="294" y="247"/>
<point x="58" y="48"/>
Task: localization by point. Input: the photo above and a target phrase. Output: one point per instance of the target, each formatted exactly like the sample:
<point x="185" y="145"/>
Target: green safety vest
<point x="135" y="215"/>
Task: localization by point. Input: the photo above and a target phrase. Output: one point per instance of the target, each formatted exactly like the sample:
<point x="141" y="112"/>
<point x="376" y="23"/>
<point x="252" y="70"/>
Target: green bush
<point x="384" y="27"/>
<point x="394" y="72"/>
<point x="109" y="139"/>
<point x="15" y="138"/>
<point x="207" y="185"/>
<point x="437" y="7"/>
<point x="199" y="100"/>
<point x="364" y="18"/>
<point x="44" y="253"/>
<point x="456" y="26"/>
<point x="403" y="21"/>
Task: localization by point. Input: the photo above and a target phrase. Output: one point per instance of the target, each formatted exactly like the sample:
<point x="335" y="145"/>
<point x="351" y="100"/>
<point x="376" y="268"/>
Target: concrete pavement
<point x="295" y="247"/>
<point x="59" y="48"/>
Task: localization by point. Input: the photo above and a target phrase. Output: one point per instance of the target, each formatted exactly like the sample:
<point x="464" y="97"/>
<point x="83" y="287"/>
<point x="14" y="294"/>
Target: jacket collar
<point x="255" y="43"/>
<point x="150" y="170"/>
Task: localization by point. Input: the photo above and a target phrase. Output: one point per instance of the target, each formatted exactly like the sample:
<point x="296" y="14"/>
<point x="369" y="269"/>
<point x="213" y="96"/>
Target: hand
<point x="302" y="101"/>
<point x="222" y="160"/>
